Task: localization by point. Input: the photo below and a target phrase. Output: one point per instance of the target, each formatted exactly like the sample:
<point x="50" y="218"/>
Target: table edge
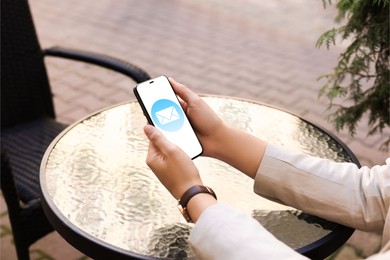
<point x="85" y="244"/>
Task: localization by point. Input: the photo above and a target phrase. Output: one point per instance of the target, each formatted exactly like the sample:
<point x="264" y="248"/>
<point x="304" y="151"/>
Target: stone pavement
<point x="260" y="50"/>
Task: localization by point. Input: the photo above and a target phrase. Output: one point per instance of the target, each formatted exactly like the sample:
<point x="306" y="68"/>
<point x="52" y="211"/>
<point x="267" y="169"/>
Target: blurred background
<point x="259" y="50"/>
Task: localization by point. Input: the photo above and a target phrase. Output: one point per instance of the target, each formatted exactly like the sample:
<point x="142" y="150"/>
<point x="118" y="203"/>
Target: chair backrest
<point x="25" y="90"/>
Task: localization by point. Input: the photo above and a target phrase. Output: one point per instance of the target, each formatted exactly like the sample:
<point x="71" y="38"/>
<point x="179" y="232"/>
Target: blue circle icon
<point x="167" y="115"/>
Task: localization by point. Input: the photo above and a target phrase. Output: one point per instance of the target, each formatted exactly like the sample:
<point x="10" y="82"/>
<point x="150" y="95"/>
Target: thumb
<point x="157" y="139"/>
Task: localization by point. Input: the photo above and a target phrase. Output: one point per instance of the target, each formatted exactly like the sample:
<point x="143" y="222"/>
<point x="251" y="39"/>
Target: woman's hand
<point x="176" y="171"/>
<point x="204" y="120"/>
<point x="231" y="145"/>
<point x="170" y="164"/>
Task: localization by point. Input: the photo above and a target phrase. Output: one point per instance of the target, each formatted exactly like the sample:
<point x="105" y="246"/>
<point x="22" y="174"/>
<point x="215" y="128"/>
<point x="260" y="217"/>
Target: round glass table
<point x="100" y="195"/>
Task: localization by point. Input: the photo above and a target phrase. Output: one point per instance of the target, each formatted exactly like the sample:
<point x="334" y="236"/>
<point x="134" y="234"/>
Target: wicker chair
<point x="28" y="119"/>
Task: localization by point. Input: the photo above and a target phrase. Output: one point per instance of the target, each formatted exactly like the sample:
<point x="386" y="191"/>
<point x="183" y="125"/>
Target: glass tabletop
<point x="95" y="181"/>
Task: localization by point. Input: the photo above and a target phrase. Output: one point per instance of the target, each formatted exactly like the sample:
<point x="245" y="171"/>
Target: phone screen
<point x="163" y="110"/>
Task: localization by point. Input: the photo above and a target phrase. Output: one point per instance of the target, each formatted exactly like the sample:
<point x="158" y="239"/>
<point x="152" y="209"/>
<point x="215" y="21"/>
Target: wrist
<point x="239" y="149"/>
<point x="183" y="187"/>
<point x="217" y="143"/>
<point x="225" y="142"/>
<point x="198" y="204"/>
<point x="195" y="200"/>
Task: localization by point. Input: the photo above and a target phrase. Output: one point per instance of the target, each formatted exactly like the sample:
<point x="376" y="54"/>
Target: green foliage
<point x="40" y="255"/>
<point x="362" y="75"/>
<point x="5" y="231"/>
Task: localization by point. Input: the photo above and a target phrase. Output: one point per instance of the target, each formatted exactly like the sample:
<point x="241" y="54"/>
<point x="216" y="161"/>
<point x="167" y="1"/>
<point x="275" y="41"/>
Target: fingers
<point x="158" y="140"/>
<point x="183" y="104"/>
<point x="183" y="92"/>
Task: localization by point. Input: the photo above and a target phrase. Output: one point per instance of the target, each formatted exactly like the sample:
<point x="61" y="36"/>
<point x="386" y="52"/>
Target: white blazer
<point x="339" y="192"/>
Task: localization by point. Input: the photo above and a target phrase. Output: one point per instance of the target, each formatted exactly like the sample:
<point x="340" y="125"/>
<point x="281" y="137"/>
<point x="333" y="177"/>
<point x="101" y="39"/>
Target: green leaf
<point x="327" y="38"/>
<point x="362" y="74"/>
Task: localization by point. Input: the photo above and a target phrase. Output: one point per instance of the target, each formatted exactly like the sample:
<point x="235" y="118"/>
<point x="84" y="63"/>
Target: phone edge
<point x="146" y="114"/>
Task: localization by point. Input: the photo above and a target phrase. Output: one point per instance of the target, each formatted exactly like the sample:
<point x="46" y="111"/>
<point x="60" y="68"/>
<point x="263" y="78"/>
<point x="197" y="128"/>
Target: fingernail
<point x="148" y="129"/>
<point x="171" y="79"/>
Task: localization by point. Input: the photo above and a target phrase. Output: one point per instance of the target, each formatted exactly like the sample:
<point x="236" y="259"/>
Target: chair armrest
<point x="7" y="182"/>
<point x="130" y="70"/>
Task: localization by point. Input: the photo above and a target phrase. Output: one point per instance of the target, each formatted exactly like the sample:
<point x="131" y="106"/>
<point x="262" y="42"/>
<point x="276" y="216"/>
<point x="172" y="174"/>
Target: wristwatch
<point x="191" y="192"/>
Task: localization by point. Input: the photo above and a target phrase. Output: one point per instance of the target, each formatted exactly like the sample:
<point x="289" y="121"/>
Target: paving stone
<point x="261" y="50"/>
<point x="63" y="91"/>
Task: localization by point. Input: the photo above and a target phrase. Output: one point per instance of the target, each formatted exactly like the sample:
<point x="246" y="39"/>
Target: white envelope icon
<point x="167" y="115"/>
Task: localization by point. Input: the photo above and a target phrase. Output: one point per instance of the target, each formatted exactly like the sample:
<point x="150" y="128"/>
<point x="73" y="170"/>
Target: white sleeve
<point x="340" y="192"/>
<point x="222" y="232"/>
<point x="380" y="256"/>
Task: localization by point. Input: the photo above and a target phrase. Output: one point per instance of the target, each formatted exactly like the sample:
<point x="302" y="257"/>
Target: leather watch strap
<point x="194" y="190"/>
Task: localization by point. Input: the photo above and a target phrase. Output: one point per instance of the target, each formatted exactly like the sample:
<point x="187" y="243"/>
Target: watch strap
<point x="194" y="190"/>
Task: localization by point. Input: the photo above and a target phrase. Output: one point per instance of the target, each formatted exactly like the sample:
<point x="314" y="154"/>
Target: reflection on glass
<point x="97" y="178"/>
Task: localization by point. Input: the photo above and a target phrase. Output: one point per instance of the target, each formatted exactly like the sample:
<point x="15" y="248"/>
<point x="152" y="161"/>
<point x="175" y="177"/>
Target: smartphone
<point x="163" y="110"/>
